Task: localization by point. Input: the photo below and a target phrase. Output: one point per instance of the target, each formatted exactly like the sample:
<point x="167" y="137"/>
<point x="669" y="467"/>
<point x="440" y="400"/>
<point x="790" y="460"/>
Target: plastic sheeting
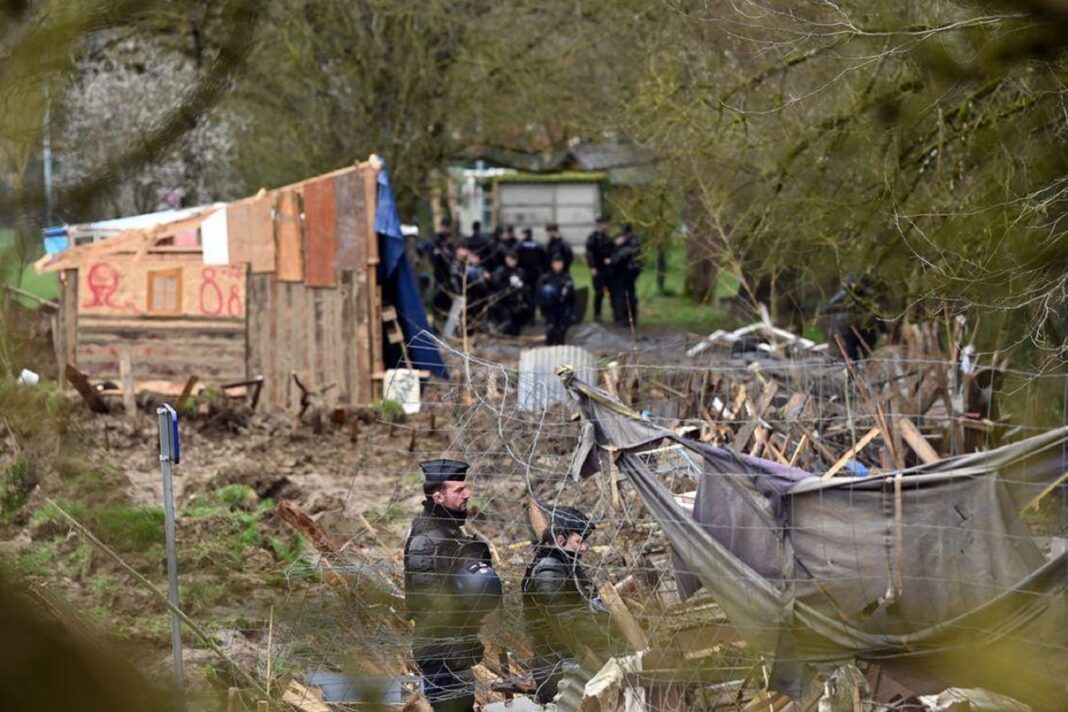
<point x="929" y="571"/>
<point x="399" y="286"/>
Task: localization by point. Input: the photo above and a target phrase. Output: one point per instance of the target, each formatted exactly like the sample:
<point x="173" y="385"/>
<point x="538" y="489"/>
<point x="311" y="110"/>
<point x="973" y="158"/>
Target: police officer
<point x="556" y="297"/>
<point x="449" y="587"/>
<point x="557" y="246"/>
<point x="442" y="255"/>
<point x="624" y="265"/>
<point x="598" y="250"/>
<point x="512" y="309"/>
<point x="478" y="242"/>
<point x="561" y="611"/>
<point x="532" y="258"/>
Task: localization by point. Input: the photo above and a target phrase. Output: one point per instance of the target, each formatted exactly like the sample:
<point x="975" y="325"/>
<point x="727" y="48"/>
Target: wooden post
<point x="233" y="700"/>
<point x="129" y="400"/>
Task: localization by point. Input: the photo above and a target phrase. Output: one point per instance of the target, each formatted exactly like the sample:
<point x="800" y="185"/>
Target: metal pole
<point x="168" y="431"/>
<point x="46" y="157"/>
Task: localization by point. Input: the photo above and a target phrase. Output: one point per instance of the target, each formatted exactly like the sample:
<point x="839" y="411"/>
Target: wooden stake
<point x="851" y="453"/>
<point x="129" y="399"/>
<point x="233" y="700"/>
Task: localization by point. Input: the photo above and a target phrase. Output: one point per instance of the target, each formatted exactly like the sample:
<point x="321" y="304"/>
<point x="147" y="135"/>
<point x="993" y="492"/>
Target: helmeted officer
<point x="598" y="250"/>
<point x="449" y="586"/>
<point x="561" y="610"/>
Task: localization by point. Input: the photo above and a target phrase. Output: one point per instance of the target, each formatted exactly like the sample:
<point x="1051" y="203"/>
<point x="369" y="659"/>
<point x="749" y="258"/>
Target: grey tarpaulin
<point x="928" y="571"/>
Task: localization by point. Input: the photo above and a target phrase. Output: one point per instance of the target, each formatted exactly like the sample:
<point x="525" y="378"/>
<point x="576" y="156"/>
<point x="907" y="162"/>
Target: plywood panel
<point x="320" y="233"/>
<point x="350" y="206"/>
<point x="251" y="233"/>
<point x="289" y="236"/>
<point x="117" y="285"/>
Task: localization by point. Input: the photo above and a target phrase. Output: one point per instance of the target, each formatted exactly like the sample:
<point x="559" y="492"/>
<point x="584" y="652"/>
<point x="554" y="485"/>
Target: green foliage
<point x="389" y="411"/>
<point x="48" y="513"/>
<point x="287" y="550"/>
<point x="131" y="528"/>
<point x="16" y="485"/>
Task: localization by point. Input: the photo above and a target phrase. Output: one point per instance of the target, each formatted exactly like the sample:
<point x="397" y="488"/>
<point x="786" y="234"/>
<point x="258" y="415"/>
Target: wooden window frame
<point x="157" y="274"/>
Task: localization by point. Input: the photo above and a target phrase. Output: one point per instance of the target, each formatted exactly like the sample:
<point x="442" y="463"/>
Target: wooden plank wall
<point x="309" y="331"/>
<point x="169" y="348"/>
<point x="65" y="322"/>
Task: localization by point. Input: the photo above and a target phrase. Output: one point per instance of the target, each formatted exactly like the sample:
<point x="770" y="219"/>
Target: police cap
<point x="439" y="471"/>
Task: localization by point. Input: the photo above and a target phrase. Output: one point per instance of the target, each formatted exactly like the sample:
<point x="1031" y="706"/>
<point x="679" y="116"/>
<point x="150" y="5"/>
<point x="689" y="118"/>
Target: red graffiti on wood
<point x="103" y="281"/>
<point x="212" y="301"/>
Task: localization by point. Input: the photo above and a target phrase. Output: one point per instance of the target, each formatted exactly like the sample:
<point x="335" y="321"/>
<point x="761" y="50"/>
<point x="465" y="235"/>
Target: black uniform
<point x="561" y="614"/>
<point x="445" y="643"/>
<point x="623" y="269"/>
<point x="443" y="262"/>
<point x="513" y="307"/>
<point x="533" y="259"/>
<point x="598" y="249"/>
<point x="853" y="318"/>
<point x="556" y="297"/>
<point x="558" y="248"/>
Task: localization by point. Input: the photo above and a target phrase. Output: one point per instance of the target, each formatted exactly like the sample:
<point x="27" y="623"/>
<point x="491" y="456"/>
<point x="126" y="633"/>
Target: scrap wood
<point x="81" y="384"/>
<point x="768" y="701"/>
<point x="1037" y="499"/>
<point x="305" y="699"/>
<point x="536" y="518"/>
<point x="755" y="414"/>
<point x="915" y="440"/>
<point x="622" y="616"/>
<point x="294" y="516"/>
<point x="187" y="391"/>
<point x="851" y="453"/>
<point x="129" y="400"/>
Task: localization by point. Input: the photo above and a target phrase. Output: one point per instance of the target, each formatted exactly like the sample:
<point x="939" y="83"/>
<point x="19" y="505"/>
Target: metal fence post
<point x="169" y="455"/>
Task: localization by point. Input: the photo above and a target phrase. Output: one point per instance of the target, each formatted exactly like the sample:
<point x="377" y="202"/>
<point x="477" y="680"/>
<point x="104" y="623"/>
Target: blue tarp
<point x="399" y="286"/>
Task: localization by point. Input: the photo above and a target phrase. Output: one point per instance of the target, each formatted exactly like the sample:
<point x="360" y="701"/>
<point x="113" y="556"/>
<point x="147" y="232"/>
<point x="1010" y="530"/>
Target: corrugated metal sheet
<point x="539" y="386"/>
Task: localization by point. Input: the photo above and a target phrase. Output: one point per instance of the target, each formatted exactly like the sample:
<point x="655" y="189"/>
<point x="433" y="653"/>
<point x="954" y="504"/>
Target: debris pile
<point x="831" y="422"/>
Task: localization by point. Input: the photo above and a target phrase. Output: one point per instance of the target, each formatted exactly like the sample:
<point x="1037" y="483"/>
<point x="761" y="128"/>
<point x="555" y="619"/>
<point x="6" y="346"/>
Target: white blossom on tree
<point x="119" y="95"/>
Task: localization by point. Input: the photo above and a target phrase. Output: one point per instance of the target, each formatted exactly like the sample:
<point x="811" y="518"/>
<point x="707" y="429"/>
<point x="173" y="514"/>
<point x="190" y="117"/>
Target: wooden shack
<point x="283" y="282"/>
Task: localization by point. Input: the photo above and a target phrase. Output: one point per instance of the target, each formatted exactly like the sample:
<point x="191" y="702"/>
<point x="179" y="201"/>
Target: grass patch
<point x="131" y="528"/>
<point x="672" y="308"/>
<point x="16" y="485"/>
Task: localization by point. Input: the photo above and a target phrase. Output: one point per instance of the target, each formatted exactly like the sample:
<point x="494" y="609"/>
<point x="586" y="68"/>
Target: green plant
<point x="238" y="496"/>
<point x="16" y="485"/>
<point x="389" y="411"/>
<point x="131" y="528"/>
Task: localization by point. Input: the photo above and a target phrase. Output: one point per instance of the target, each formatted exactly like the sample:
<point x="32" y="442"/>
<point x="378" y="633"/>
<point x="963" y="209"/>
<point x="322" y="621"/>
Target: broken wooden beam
<point x="916" y="441"/>
<point x="623" y="618"/>
<point x="187" y="392"/>
<point x="81" y="384"/>
<point x="851" y="453"/>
